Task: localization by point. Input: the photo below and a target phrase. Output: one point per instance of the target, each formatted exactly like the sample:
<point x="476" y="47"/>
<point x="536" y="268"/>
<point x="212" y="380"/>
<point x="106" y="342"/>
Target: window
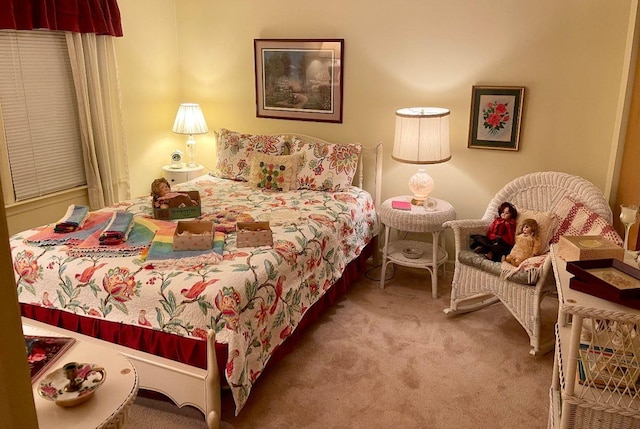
<point x="40" y="115"/>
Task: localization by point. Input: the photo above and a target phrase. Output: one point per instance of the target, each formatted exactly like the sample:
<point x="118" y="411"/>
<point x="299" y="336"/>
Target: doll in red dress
<point x="501" y="235"/>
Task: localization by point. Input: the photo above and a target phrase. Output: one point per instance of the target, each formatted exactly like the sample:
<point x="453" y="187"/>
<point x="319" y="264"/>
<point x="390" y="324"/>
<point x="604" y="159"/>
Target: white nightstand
<point x="182" y="174"/>
<point x="418" y="219"/>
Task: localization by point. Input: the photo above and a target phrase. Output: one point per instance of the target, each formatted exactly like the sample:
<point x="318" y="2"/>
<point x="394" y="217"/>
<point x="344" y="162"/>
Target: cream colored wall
<point x="150" y="85"/>
<point x="431" y="53"/>
<point x="397" y="54"/>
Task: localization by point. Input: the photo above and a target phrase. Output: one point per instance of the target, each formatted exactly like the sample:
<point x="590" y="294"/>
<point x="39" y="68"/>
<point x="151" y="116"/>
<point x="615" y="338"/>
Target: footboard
<point x="183" y="384"/>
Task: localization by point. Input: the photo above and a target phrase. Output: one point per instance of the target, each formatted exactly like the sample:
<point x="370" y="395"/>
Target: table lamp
<point x="190" y="120"/>
<point x="422" y="137"/>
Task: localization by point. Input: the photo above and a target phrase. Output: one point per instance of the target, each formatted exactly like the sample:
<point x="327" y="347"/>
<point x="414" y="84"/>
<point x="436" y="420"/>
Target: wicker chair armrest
<point x="463" y="228"/>
<point x="546" y="283"/>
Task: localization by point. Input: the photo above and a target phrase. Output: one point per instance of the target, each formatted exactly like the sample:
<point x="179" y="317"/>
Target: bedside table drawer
<point x="183" y="174"/>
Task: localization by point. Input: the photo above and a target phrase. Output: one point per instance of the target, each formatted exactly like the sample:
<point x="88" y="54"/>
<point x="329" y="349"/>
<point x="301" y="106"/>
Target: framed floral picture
<point x="299" y="79"/>
<point x="496" y="116"/>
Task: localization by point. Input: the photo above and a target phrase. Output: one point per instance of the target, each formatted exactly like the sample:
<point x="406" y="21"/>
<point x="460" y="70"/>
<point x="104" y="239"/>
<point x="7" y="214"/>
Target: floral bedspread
<point x="254" y="298"/>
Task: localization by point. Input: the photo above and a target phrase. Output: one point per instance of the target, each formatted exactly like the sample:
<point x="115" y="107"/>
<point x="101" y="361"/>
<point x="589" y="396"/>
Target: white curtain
<point x="95" y="75"/>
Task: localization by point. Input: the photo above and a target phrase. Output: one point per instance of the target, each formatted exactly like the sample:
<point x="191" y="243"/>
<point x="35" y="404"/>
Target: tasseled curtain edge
<point x="101" y="17"/>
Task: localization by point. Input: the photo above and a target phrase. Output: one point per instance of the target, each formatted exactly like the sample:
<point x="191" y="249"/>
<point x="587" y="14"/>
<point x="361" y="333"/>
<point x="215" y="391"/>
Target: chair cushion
<point x="472" y="259"/>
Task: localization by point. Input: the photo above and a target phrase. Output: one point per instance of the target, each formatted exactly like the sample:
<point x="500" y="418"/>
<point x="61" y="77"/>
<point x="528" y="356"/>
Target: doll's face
<point x="527" y="230"/>
<point x="506" y="213"/>
<point x="163" y="189"/>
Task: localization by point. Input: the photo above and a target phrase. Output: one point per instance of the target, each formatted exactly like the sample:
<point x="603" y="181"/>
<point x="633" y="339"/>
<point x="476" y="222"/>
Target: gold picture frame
<point x="299" y="79"/>
<point x="496" y="117"/>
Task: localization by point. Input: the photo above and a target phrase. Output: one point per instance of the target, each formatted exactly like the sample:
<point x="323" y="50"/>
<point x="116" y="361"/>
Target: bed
<point x="192" y="322"/>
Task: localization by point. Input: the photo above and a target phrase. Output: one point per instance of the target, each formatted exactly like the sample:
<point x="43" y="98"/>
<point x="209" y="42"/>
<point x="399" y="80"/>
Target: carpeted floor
<point x="388" y="358"/>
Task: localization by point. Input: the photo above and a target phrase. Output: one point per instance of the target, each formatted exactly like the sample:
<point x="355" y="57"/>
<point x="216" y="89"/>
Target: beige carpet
<point x="390" y="358"/>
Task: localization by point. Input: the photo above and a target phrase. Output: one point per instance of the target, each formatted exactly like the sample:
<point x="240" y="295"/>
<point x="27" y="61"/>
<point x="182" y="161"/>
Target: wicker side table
<point x="422" y="220"/>
<point x="597" y="360"/>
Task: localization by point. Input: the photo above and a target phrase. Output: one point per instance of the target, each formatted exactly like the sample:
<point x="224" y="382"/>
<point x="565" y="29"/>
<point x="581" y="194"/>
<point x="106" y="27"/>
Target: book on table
<point x="43" y="352"/>
<point x="401" y="205"/>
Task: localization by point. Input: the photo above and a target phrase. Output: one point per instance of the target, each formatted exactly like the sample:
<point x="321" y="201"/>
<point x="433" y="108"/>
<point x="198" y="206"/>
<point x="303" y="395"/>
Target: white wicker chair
<point x="472" y="288"/>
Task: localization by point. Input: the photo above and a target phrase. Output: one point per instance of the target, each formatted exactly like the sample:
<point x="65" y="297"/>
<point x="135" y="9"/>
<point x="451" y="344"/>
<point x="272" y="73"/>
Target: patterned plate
<point x="52" y="386"/>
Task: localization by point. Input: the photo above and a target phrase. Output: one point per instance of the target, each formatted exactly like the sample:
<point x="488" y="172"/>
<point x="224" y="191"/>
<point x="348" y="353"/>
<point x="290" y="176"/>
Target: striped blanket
<point x="162" y="256"/>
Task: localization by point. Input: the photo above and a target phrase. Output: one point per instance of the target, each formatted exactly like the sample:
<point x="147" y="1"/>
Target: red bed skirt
<point x="182" y="349"/>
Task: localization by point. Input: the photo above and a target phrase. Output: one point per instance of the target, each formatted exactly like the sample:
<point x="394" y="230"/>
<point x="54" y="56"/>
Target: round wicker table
<point x="412" y="253"/>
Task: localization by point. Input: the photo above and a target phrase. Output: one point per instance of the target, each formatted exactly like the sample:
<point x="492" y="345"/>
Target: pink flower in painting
<point x="119" y="284"/>
<point x="495" y="116"/>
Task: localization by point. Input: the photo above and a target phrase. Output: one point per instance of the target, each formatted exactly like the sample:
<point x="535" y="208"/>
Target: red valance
<point x="80" y="16"/>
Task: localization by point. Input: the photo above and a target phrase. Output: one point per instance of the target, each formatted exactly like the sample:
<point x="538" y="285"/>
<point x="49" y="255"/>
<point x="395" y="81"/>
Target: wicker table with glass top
<point x="420" y="219"/>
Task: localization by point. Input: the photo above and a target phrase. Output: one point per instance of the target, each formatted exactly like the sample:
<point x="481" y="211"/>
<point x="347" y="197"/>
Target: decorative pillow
<point x="235" y="148"/>
<point x="547" y="223"/>
<point x="325" y="166"/>
<point x="273" y="173"/>
<point x="577" y="219"/>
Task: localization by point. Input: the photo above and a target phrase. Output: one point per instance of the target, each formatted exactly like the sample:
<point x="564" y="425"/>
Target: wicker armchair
<point x="475" y="287"/>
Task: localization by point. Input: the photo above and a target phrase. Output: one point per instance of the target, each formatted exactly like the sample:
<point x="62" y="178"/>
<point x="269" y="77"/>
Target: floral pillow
<point x="273" y="173"/>
<point x="234" y="150"/>
<point x="576" y="219"/>
<point x="325" y="166"/>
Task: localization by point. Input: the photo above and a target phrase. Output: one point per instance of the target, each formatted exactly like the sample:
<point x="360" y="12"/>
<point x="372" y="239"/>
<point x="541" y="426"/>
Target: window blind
<point x="40" y="113"/>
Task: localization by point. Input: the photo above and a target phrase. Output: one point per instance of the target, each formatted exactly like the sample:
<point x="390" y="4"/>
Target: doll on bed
<point x="163" y="197"/>
<point x="501" y="235"/>
<point x="527" y="243"/>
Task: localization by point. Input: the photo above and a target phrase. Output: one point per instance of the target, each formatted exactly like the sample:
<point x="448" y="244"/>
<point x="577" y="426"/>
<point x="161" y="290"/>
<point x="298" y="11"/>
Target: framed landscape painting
<point x="299" y="79"/>
<point x="496" y="116"/>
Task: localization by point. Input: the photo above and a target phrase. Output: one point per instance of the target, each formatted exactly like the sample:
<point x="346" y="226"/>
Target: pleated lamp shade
<point x="190" y="120"/>
<point x="421" y="137"/>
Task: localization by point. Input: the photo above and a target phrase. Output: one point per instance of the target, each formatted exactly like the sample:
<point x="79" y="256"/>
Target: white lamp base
<point x="421" y="185"/>
<point x="191" y="151"/>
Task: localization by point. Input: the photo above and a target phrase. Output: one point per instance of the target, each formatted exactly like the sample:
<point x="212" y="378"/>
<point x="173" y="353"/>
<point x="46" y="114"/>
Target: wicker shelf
<point x="597" y="361"/>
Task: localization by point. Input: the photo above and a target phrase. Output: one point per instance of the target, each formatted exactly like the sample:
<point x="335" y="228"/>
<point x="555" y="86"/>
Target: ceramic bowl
<point x="412" y="253"/>
<point x="52" y="386"/>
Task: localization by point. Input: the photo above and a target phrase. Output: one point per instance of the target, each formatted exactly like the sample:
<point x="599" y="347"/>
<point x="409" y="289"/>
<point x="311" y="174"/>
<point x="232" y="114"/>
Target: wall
<point x="409" y="53"/>
<point x="150" y="84"/>
<point x="398" y="54"/>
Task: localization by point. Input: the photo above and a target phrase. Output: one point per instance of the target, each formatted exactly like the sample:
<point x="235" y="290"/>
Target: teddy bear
<point x="527" y="243"/>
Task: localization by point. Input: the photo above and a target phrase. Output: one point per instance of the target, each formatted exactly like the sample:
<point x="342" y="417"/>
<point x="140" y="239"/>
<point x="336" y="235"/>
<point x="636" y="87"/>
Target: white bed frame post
<point x="212" y="391"/>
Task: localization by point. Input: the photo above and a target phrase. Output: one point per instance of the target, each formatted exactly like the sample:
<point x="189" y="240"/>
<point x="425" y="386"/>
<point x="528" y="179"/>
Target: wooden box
<point x="178" y="210"/>
<point x="253" y="234"/>
<point x="608" y="279"/>
<point x="588" y="247"/>
<point x="193" y="235"/>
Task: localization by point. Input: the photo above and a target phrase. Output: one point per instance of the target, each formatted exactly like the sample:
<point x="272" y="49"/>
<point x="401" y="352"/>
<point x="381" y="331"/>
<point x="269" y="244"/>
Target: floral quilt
<point x="253" y="298"/>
